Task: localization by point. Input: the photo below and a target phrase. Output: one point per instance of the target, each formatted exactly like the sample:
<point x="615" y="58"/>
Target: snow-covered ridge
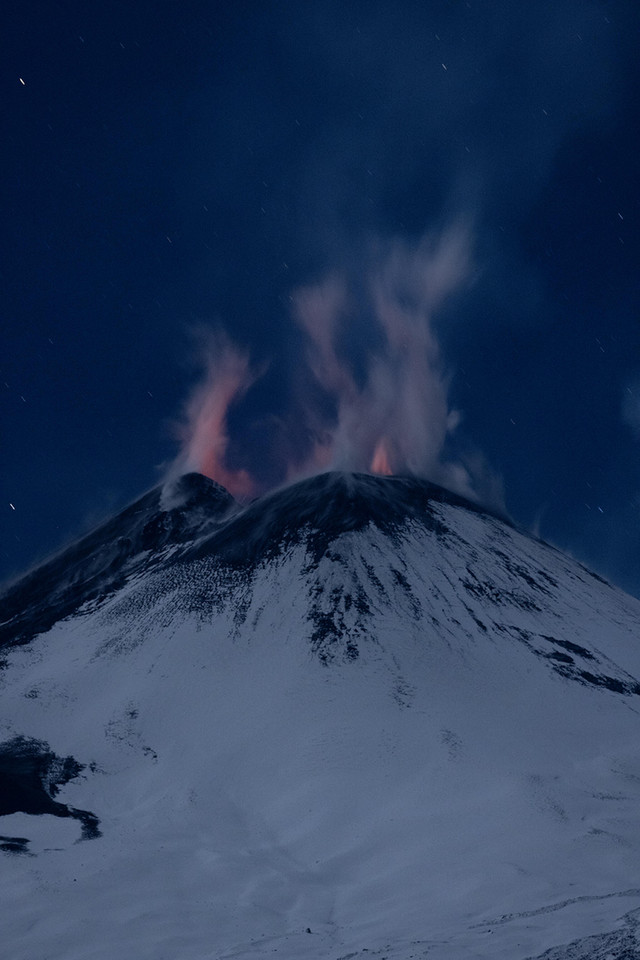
<point x="194" y="517"/>
<point x="143" y="534"/>
<point x="359" y="717"/>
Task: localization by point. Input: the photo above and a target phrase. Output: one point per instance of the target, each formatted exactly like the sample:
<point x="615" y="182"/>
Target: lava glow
<point x="385" y="407"/>
<point x="206" y="438"/>
<point x="380" y="463"/>
<point x="395" y="418"/>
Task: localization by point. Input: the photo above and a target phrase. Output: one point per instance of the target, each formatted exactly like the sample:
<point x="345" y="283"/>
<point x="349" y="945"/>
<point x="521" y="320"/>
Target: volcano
<point x="360" y="717"/>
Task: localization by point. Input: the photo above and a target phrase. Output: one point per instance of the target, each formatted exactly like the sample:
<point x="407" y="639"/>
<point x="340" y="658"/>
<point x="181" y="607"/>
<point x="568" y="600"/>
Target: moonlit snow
<point x="359" y="718"/>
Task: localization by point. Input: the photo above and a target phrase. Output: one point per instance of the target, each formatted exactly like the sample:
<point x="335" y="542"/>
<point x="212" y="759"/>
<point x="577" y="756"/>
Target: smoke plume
<point x="204" y="434"/>
<point x="370" y="386"/>
<point x="394" y="417"/>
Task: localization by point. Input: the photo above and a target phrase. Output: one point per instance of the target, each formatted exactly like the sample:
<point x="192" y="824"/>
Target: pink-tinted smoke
<point x="393" y="415"/>
<point x="396" y="418"/>
<point x="204" y="435"/>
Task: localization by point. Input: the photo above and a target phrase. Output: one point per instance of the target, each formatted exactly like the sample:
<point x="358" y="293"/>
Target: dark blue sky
<point x="167" y="166"/>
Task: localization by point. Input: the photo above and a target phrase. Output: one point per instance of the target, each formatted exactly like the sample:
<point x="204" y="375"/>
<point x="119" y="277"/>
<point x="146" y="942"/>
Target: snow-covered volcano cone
<point x="359" y="717"/>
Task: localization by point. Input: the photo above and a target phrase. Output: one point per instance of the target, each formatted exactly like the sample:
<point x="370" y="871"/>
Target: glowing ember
<point x="380" y="463"/>
<point x="228" y="378"/>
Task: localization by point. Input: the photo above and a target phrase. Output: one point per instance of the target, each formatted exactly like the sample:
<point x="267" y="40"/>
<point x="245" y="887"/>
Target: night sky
<point x="171" y="170"/>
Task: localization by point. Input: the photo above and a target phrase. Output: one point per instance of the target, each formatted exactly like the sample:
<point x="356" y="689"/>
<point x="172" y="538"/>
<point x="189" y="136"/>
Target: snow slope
<point x="359" y="718"/>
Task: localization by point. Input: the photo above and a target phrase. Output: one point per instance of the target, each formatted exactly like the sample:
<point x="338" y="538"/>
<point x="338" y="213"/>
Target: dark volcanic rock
<point x="96" y="565"/>
<point x="196" y="518"/>
<point x="30" y="777"/>
<point x="322" y="508"/>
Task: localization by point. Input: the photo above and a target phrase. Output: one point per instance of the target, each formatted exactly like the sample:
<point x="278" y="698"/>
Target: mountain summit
<point x="358" y="717"/>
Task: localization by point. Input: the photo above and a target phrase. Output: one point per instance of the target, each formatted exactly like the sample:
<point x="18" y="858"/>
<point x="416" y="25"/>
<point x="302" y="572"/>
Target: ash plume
<point x="203" y="434"/>
<point x="368" y="383"/>
<point x="395" y="416"/>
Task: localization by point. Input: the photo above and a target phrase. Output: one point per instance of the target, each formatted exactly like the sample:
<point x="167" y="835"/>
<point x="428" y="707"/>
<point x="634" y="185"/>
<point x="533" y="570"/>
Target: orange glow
<point x="228" y="378"/>
<point x="380" y="462"/>
<point x="239" y="483"/>
<point x="354" y="402"/>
